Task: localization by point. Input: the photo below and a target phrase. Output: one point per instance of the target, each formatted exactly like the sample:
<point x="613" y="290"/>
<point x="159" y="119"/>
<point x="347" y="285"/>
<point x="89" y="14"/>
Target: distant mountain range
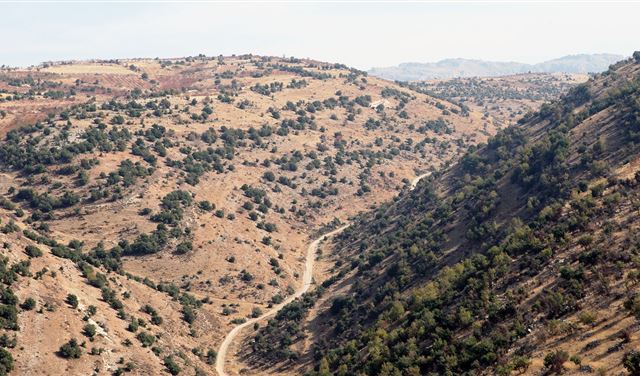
<point x="582" y="63"/>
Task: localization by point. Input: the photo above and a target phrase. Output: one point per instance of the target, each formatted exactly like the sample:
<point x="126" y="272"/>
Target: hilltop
<point x="448" y="68"/>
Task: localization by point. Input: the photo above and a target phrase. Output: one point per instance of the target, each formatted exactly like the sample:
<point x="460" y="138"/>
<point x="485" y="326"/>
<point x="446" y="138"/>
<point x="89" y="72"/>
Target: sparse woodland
<point x="148" y="206"/>
<point x="520" y="258"/>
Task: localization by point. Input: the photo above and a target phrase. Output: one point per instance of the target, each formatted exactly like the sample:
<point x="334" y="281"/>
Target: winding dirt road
<point x="306" y="283"/>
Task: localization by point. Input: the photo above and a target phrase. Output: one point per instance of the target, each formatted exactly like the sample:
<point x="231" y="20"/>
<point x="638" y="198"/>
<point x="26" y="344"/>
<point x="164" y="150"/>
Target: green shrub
<point x="256" y="312"/>
<point x="211" y="356"/>
<point x="206" y="205"/>
<point x="28" y="304"/>
<point x="631" y="362"/>
<point x="146" y="339"/>
<point x="89" y="330"/>
<point x="554" y="361"/>
<point x="6" y="362"/>
<point x="184" y="247"/>
<point x="171" y="365"/>
<point x="33" y="251"/>
<point x="587" y="317"/>
<point x="72" y="300"/>
<point x="70" y="350"/>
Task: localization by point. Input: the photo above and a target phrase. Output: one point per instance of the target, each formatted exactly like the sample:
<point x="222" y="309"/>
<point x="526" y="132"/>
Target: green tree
<point x="6" y="362"/>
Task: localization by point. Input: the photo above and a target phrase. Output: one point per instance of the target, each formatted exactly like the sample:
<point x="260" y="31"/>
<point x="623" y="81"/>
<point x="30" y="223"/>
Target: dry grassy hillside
<point x="192" y="186"/>
<point x="522" y="258"/>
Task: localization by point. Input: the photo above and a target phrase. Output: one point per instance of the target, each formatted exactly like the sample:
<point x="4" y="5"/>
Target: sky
<point x="362" y="34"/>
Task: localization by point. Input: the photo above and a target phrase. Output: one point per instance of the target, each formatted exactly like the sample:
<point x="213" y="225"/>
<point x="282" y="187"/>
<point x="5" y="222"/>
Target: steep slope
<point x="194" y="185"/>
<point x="53" y="294"/>
<point x="521" y="257"/>
<point x="448" y="68"/>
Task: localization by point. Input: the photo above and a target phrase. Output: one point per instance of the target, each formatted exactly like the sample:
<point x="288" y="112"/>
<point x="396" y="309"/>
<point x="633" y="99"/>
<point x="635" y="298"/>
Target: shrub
<point x="520" y="363"/>
<point x="70" y="350"/>
<point x="267" y="226"/>
<point x="133" y="325"/>
<point x="576" y="359"/>
<point x="117" y="120"/>
<point x="6" y="362"/>
<point x="33" y="251"/>
<point x="184" y="247"/>
<point x="246" y="276"/>
<point x="188" y="314"/>
<point x="155" y="319"/>
<point x="171" y="365"/>
<point x="72" y="300"/>
<point x="631" y="361"/>
<point x="28" y="304"/>
<point x="587" y="317"/>
<point x="146" y="339"/>
<point x="206" y="205"/>
<point x="144" y="211"/>
<point x="269" y="176"/>
<point x="211" y="356"/>
<point x="7" y="342"/>
<point x="554" y="361"/>
<point x="89" y="330"/>
<point x="633" y="305"/>
<point x="256" y="312"/>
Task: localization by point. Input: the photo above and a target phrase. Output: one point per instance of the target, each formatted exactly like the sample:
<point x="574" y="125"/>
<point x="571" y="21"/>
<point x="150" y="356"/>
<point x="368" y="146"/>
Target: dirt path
<point x="306" y="283"/>
<point x="415" y="180"/>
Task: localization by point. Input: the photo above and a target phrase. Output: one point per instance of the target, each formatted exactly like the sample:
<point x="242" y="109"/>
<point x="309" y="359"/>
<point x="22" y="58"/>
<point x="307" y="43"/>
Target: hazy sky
<point x="360" y="34"/>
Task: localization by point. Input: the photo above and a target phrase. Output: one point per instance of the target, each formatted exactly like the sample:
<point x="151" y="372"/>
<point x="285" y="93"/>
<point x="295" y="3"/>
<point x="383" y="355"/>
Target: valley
<point x="259" y="215"/>
<point x="519" y="259"/>
<point x="319" y="188"/>
<point x="185" y="191"/>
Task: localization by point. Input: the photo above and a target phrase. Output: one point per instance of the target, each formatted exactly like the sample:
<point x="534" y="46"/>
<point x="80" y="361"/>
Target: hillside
<point x="521" y="258"/>
<point x="448" y="68"/>
<point x="151" y="205"/>
<point x="503" y="99"/>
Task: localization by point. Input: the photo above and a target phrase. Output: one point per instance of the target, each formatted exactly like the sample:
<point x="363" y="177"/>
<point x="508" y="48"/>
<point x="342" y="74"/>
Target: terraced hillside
<point x="522" y="258"/>
<point x="149" y="206"/>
